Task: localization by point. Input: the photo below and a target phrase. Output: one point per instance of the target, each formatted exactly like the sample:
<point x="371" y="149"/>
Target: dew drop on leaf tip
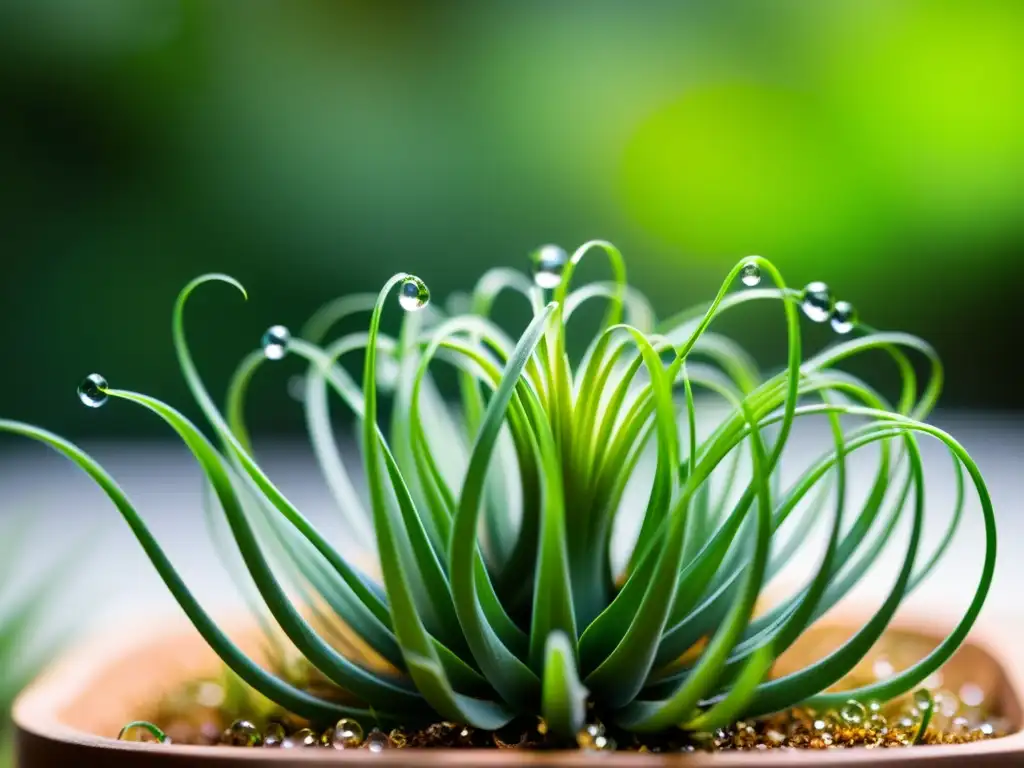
<point x="548" y="263"/>
<point x="413" y="294"/>
<point x="93" y="390"/>
<point x="275" y="342"/>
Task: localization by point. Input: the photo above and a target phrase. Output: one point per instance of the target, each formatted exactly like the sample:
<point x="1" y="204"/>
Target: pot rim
<point x="40" y="731"/>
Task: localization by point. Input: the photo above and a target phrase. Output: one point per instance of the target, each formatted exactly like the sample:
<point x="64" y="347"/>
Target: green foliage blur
<point x="314" y="148"/>
<point x="24" y="610"/>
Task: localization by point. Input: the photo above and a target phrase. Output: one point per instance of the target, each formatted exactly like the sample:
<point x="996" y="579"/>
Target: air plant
<point x="493" y="522"/>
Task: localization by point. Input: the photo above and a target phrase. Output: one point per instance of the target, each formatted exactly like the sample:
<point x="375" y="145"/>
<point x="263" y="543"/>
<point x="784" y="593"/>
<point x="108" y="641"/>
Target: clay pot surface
<point x="71" y="715"/>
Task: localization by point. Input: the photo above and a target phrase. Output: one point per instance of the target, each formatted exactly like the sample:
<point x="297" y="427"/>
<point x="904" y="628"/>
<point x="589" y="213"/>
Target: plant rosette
<point x="499" y="605"/>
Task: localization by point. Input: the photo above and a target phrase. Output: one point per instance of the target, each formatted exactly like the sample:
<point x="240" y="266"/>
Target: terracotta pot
<point x="71" y="714"/>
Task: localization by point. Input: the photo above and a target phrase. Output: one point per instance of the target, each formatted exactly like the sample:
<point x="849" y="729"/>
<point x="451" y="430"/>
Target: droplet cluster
<point x="818" y="305"/>
<point x="816" y="300"/>
<point x="855" y="723"/>
<point x="594" y="739"/>
<point x="346" y="734"/>
<point x="951" y="709"/>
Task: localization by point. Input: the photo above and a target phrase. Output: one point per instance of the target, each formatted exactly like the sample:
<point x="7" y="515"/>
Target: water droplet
<point x="275" y="342"/>
<point x="301" y="739"/>
<point x="548" y="264"/>
<point x="413" y="294"/>
<point x="961" y="725"/>
<point x="397" y="738"/>
<point x="509" y="737"/>
<point x="907" y="722"/>
<point x="882" y="668"/>
<point x="971" y="695"/>
<point x="348" y="734"/>
<point x="92" y="390"/>
<point x="853" y="712"/>
<point x="923" y="700"/>
<point x="588" y="737"/>
<point x="820" y="725"/>
<point x="242" y="733"/>
<point x="817" y="302"/>
<point x="877" y="722"/>
<point x="986" y="729"/>
<point x="874" y="706"/>
<point x="140" y="730"/>
<point x="275" y="735"/>
<point x="844" y="317"/>
<point x="377" y="741"/>
<point x="750" y="274"/>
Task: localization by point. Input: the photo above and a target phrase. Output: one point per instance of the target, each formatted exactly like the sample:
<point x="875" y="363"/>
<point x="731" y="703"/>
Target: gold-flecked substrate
<point x="960" y="700"/>
<point x="795" y="730"/>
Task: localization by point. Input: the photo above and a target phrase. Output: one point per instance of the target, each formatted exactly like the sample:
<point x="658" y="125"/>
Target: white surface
<point x="114" y="580"/>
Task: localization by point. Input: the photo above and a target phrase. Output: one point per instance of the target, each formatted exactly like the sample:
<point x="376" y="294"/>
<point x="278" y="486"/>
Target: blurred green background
<point x="314" y="148"/>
